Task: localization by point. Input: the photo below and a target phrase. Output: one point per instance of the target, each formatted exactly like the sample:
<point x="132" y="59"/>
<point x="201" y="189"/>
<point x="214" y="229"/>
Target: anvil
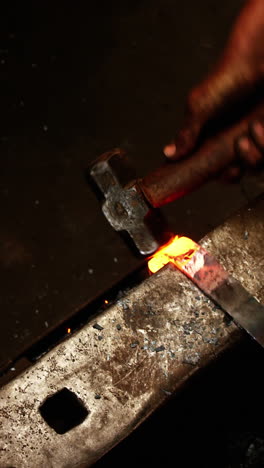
<point x="128" y="360"/>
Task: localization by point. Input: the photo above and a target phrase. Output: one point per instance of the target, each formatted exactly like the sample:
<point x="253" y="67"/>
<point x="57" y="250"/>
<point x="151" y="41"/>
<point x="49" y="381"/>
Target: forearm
<point x="236" y="74"/>
<point x="240" y="66"/>
<point x="247" y="37"/>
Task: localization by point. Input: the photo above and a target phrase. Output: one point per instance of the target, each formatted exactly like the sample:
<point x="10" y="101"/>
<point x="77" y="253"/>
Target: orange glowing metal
<point x="179" y="251"/>
<point x="68" y="330"/>
<point x="106" y="302"/>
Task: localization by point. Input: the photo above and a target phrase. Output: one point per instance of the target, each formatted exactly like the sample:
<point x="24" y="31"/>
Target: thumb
<point x="199" y="109"/>
<point x="185" y="140"/>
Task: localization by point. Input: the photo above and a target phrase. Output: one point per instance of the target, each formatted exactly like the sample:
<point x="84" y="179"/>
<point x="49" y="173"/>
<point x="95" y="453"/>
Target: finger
<point x="257" y="133"/>
<point x="231" y="174"/>
<point x="184" y="142"/>
<point x="170" y="151"/>
<point x="248" y="152"/>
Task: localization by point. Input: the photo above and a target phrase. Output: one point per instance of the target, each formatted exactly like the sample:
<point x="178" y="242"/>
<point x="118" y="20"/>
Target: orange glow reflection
<point x="178" y="251"/>
<point x="68" y="331"/>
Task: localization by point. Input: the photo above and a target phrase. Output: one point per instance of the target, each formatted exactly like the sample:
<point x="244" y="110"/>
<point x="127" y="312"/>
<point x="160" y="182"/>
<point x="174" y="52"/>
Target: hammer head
<point x="125" y="206"/>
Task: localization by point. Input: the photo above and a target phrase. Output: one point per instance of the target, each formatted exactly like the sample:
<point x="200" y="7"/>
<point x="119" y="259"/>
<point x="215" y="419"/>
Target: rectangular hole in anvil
<point x="63" y="411"/>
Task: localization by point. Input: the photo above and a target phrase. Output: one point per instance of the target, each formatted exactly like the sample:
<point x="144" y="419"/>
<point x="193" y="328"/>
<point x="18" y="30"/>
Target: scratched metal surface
<point x="149" y="343"/>
<point x="76" y="80"/>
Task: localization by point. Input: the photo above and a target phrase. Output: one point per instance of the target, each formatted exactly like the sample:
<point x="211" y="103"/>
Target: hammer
<point x="129" y="201"/>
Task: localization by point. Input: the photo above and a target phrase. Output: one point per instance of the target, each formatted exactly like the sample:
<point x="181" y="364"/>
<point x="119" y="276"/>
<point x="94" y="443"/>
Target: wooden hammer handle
<point x="173" y="180"/>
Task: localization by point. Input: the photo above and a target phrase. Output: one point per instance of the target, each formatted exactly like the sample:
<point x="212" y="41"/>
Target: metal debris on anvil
<point x="132" y="382"/>
<point x="96" y="326"/>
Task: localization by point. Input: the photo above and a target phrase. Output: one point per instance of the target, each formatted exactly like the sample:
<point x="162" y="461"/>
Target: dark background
<point x="78" y="78"/>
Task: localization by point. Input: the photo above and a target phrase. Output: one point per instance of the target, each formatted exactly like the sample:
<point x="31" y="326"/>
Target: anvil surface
<point x="143" y="349"/>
